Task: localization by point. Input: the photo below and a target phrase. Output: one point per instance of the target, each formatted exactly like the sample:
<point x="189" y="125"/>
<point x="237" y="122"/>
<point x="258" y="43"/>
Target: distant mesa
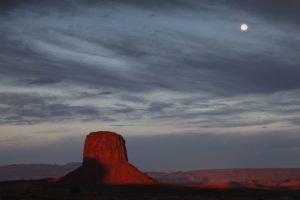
<point x="105" y="162"/>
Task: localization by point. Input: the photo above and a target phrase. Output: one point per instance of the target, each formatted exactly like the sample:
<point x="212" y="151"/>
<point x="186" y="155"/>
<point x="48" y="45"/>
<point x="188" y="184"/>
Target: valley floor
<point x="34" y="190"/>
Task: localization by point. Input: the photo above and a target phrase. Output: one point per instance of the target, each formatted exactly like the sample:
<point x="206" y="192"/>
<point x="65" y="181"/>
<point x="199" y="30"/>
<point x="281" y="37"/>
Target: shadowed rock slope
<point x="105" y="162"/>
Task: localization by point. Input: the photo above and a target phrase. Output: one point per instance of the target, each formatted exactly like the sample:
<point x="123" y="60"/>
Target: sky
<point x="177" y="78"/>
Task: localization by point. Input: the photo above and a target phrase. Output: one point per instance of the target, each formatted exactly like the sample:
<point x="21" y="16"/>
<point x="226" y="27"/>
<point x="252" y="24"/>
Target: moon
<point x="244" y="27"/>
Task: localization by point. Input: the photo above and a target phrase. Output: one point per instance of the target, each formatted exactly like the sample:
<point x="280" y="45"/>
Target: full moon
<point x="244" y="27"/>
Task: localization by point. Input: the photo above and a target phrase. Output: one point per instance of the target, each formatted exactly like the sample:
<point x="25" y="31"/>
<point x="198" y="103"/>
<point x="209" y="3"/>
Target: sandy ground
<point x="31" y="190"/>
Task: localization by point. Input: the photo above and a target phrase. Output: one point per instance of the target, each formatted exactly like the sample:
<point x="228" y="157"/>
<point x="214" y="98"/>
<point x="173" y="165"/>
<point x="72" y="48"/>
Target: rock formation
<point x="105" y="147"/>
<point x="105" y="162"/>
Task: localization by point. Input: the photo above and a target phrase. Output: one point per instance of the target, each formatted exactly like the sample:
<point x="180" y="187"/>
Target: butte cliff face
<point x="105" y="147"/>
<point x="105" y="162"/>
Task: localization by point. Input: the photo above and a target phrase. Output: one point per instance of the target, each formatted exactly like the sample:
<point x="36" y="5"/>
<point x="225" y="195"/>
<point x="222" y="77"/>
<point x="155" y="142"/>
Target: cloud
<point x="43" y="81"/>
<point x="32" y="108"/>
<point x="281" y="11"/>
<point x="173" y="64"/>
<point x="159" y="106"/>
<point x="117" y="53"/>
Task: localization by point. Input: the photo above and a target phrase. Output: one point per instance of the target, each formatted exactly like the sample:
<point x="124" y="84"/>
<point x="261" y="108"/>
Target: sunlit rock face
<point x="105" y="162"/>
<point x="105" y="147"/>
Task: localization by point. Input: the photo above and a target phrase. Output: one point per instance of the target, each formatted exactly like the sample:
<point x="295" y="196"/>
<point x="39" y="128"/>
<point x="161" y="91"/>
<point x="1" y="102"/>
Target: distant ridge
<point x="227" y="175"/>
<point x="34" y="171"/>
<point x="39" y="171"/>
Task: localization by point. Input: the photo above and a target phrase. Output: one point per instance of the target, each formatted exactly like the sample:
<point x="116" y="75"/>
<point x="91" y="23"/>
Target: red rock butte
<point x="105" y="162"/>
<point x="105" y="147"/>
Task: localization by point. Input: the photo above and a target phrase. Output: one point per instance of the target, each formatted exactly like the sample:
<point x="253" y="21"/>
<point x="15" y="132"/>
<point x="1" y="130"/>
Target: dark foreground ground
<point x="32" y="190"/>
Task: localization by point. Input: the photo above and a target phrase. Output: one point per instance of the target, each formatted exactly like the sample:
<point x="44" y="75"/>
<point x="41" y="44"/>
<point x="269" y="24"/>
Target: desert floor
<point x="31" y="190"/>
